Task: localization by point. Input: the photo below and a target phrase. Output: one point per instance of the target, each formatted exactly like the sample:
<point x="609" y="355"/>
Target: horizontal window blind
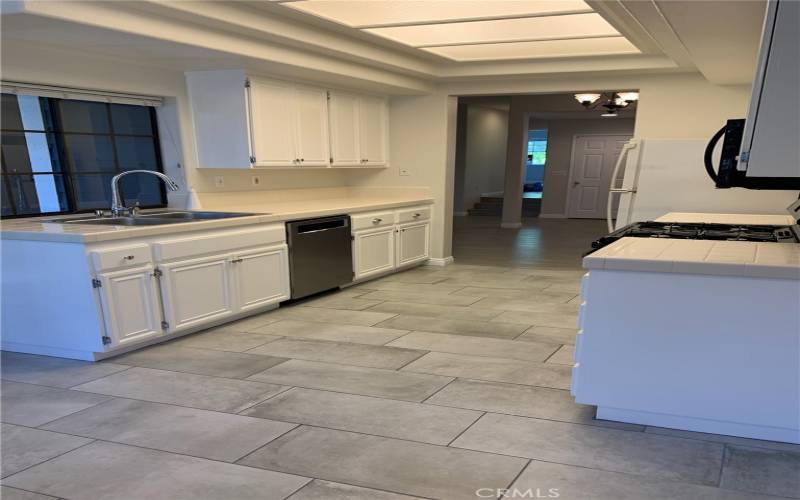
<point x="20" y="88"/>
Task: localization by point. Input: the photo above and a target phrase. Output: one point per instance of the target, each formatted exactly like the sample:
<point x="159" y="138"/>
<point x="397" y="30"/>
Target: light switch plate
<point x="219" y="181"/>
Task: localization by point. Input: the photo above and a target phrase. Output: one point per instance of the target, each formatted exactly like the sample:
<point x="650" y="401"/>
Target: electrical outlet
<point x="219" y="181"/>
<point x="255" y="180"/>
<point x="404" y="172"/>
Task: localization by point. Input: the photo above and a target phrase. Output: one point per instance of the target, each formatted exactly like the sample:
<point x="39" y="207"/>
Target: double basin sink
<point x="153" y="218"/>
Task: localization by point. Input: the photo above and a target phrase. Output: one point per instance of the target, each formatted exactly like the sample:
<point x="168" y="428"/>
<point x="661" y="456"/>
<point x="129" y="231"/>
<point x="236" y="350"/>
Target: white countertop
<point x="274" y="210"/>
<point x="726" y="258"/>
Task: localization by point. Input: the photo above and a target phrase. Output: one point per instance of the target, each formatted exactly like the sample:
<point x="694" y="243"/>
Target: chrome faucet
<point x="116" y="205"/>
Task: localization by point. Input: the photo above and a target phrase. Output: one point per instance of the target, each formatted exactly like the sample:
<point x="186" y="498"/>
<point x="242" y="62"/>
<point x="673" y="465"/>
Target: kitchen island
<point x="698" y="335"/>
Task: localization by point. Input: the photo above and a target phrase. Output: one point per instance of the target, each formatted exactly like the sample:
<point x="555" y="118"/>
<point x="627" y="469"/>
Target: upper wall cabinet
<point x="358" y="130"/>
<point x="242" y="122"/>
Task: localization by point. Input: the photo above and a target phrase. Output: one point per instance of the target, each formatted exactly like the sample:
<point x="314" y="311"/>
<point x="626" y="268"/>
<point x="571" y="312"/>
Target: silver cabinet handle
<point x="417" y="215"/>
<point x="377" y="220"/>
<point x="129" y="257"/>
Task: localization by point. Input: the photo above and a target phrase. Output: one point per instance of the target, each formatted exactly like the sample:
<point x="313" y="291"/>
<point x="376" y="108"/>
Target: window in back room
<point x="59" y="155"/>
<point x="535" y="164"/>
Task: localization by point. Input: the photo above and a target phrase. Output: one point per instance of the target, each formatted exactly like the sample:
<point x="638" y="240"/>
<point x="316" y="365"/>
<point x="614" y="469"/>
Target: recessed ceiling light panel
<point x="360" y="14"/>
<point x="500" y="30"/>
<point x="537" y="50"/>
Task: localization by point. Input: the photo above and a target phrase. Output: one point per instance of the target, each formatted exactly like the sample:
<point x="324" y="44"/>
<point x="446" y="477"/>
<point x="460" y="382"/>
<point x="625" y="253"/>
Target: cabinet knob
<point x="377" y="220"/>
<point x="129" y="257"/>
<point x="417" y="215"/>
<point x="302" y="159"/>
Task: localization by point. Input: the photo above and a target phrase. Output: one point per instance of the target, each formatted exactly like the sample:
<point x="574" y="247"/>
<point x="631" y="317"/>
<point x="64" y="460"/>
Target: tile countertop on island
<point x="720" y="258"/>
<point x="267" y="209"/>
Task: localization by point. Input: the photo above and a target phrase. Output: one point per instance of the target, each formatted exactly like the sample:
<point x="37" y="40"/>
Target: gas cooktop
<point x="701" y="231"/>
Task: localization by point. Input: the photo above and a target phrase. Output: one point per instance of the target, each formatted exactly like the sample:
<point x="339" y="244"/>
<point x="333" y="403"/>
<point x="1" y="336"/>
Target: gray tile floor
<point x="441" y="383"/>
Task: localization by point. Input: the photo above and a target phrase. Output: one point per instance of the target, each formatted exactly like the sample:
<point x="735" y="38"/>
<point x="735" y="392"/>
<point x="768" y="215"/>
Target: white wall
<point x="485" y="156"/>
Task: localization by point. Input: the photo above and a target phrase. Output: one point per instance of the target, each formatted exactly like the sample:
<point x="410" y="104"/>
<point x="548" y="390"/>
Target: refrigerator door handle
<point x="612" y="190"/>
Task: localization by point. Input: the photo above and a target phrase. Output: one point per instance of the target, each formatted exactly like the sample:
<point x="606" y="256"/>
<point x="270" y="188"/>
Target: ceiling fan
<point x="613" y="101"/>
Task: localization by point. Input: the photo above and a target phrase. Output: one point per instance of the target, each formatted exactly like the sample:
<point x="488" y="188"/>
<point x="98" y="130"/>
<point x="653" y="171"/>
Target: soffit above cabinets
<point x="478" y="30"/>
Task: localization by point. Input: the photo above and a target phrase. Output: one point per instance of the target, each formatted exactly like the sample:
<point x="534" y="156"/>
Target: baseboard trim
<point x="552" y="216"/>
<point x="511" y="225"/>
<point x="440" y="262"/>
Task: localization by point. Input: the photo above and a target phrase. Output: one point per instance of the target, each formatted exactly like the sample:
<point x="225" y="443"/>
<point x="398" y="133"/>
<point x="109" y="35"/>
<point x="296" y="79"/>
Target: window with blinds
<point x="59" y="155"/>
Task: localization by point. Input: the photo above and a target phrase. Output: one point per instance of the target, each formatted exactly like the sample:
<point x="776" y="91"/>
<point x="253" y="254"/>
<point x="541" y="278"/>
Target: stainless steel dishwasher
<point x="320" y="254"/>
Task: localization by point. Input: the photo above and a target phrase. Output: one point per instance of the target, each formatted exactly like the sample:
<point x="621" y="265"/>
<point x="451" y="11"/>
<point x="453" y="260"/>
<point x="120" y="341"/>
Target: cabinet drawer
<point x="413" y="214"/>
<point x="372" y="220"/>
<point x="116" y="257"/>
<point x="218" y="242"/>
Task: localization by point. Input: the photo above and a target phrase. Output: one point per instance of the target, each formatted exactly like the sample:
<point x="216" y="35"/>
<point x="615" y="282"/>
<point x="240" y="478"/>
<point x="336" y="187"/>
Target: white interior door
<point x="593" y="159"/>
<point x="311" y="107"/>
<point x="272" y="124"/>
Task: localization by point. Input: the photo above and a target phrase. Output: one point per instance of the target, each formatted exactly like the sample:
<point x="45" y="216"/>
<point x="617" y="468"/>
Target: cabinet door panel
<point x="311" y="108"/>
<point x="129" y="300"/>
<point x="412" y="244"/>
<point x="272" y="123"/>
<point x="262" y="277"/>
<point x="373" y="252"/>
<point x="344" y="129"/>
<point x="196" y="291"/>
<point x="372" y="130"/>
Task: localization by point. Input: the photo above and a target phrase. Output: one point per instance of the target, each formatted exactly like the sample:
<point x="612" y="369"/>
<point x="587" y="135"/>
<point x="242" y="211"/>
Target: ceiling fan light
<point x="587" y="99"/>
<point x="628" y="96"/>
<point x="622" y="103"/>
<point x="610" y="114"/>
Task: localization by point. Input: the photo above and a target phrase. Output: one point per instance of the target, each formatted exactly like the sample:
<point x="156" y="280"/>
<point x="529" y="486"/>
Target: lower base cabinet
<point x="413" y="243"/>
<point x="373" y="252"/>
<point x="130" y="305"/>
<point x="260" y="277"/>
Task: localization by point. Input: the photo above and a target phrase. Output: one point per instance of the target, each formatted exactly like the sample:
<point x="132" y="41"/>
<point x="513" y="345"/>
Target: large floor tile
<point x="429" y="298"/>
<point x="333" y="332"/>
<point x="478" y="346"/>
<point x="418" y="275"/>
<point x="34" y="405"/>
<point x="322" y="315"/>
<point x="223" y="339"/>
<point x="250" y="323"/>
<point x="526" y="304"/>
<point x="522" y="400"/>
<point x="55" y="372"/>
<point x="437" y="311"/>
<point x="511" y="294"/>
<point x="215" y="363"/>
<point x="8" y="493"/>
<point x="327" y="490"/>
<point x="492" y="369"/>
<point x="382" y="417"/>
<point x="24" y="447"/>
<point x="415" y="288"/>
<point x="558" y="320"/>
<point x="564" y="356"/>
<point x="188" y="431"/>
<point x="370" y="356"/>
<point x="388" y="464"/>
<point x="721" y="438"/>
<point x="597" y="448"/>
<point x="579" y="483"/>
<point x="340" y="301"/>
<point x="549" y="334"/>
<point x="564" y="287"/>
<point x="762" y="471"/>
<point x="456" y="326"/>
<point x="110" y="471"/>
<point x="184" y="389"/>
<point x="353" y="379"/>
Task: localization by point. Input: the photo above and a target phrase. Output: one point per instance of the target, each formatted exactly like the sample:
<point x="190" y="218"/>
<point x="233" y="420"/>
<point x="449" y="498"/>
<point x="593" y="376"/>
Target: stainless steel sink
<point x="153" y="218"/>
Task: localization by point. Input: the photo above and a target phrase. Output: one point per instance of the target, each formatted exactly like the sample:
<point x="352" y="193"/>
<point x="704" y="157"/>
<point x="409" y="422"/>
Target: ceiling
<point x="478" y="30"/>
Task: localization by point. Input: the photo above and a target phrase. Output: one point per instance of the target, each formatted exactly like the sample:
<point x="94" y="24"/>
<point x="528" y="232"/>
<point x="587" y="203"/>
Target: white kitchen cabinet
<point x="373" y="251"/>
<point x="273" y="128"/>
<point x="260" y="277"/>
<point x="196" y="291"/>
<point x="311" y="127"/>
<point x="413" y="243"/>
<point x="358" y="130"/>
<point x="130" y="307"/>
